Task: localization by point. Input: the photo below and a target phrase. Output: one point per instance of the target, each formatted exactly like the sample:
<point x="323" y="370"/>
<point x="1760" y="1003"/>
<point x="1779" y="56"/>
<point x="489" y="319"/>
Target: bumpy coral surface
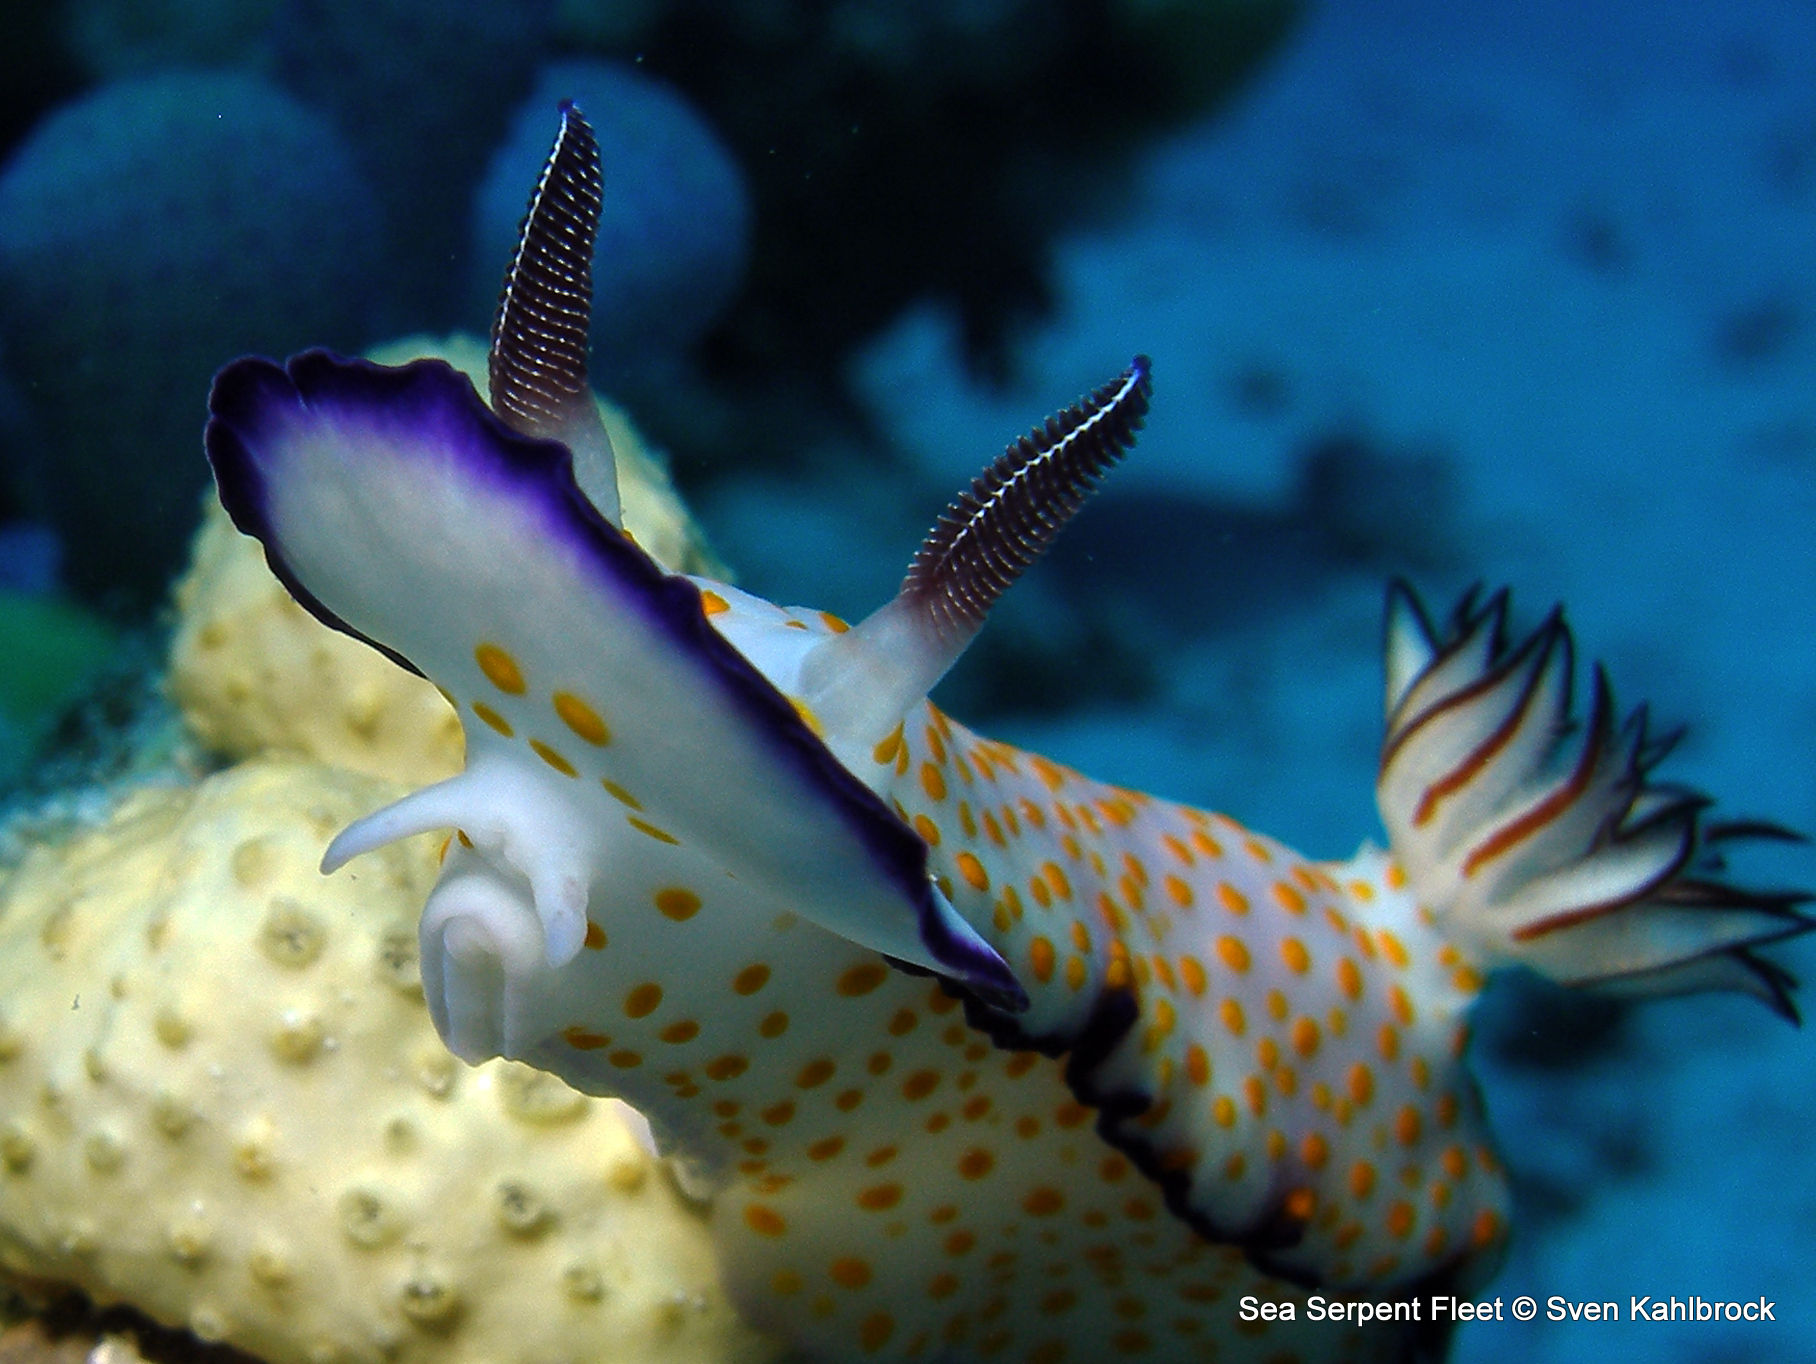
<point x="222" y="1102"/>
<point x="253" y="672"/>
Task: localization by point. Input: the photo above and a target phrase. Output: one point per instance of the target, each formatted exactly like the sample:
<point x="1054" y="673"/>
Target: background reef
<point x="1517" y="293"/>
<point x="185" y="181"/>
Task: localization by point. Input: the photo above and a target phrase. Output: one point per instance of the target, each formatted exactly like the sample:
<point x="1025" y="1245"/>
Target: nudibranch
<point x="975" y="1057"/>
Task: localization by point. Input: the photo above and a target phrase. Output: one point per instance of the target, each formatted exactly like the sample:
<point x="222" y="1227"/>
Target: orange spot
<point x="1293" y="953"/>
<point x="552" y="758"/>
<point x="973" y="871"/>
<point x="1230" y="1009"/>
<point x="928" y="830"/>
<point x="642" y="1000"/>
<point x="1163" y="972"/>
<point x="849" y="1272"/>
<point x="618" y="793"/>
<point x="1056" y="880"/>
<point x="595" y="936"/>
<point x="677" y="903"/>
<point x="727" y="1067"/>
<point x="879" y="1197"/>
<point x="1314" y="1150"/>
<point x="684" y="1031"/>
<point x="1349" y="978"/>
<point x="1400" y="1218"/>
<point x="826" y="1148"/>
<point x="763" y="1220"/>
<point x="1256" y="1095"/>
<point x="1387" y="1040"/>
<point x="1305" y="1036"/>
<point x="584" y="1039"/>
<point x="1117" y="975"/>
<point x="976" y="1163"/>
<point x="888" y="747"/>
<point x="582" y="719"/>
<point x="644" y="827"/>
<point x="814" y="1074"/>
<point x="936" y="742"/>
<point x="1392" y="948"/>
<point x="1401" y="1005"/>
<point x="1197" y="1064"/>
<point x="1041" y="958"/>
<point x="1287" y="898"/>
<point x="751" y="979"/>
<point x="933" y="782"/>
<point x="500" y="668"/>
<point x="1361" y="1082"/>
<point x="1231" y="898"/>
<point x="1361" y="1179"/>
<point x="1021" y="1063"/>
<point x="1486" y="1229"/>
<point x="920" y="1084"/>
<point x="712" y="603"/>
<point x="1043" y="1202"/>
<point x="773" y="1025"/>
<point x="861" y="979"/>
<point x="1191" y="971"/>
<point x="493" y="718"/>
<point x="1407" y="1125"/>
<point x="1178" y="891"/>
<point x="1234" y="953"/>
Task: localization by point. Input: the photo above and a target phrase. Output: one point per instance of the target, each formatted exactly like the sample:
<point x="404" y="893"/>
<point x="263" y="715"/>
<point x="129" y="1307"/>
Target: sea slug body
<point x="978" y="1058"/>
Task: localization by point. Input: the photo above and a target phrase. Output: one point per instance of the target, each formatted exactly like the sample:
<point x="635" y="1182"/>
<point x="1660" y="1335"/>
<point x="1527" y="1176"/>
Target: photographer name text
<point x="1443" y="1307"/>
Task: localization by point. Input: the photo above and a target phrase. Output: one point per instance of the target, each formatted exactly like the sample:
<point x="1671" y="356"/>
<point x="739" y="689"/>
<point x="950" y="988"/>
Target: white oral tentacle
<point x="480" y="943"/>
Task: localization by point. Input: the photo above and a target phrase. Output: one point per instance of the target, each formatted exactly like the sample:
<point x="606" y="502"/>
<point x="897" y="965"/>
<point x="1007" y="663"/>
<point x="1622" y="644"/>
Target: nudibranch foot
<point x="1538" y="840"/>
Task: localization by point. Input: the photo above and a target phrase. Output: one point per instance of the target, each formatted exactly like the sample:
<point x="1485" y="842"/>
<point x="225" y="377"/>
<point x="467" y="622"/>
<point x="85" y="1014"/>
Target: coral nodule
<point x="221" y="1101"/>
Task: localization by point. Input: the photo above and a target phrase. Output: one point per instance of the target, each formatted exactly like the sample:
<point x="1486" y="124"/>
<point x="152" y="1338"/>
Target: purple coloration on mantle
<point x="255" y="404"/>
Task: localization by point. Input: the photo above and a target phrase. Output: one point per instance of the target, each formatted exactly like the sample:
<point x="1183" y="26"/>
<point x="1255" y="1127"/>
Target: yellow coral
<point x="221" y="1101"/>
